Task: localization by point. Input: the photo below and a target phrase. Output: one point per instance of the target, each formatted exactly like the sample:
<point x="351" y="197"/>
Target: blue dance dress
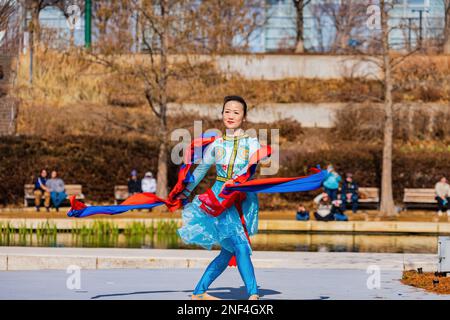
<point x="231" y="156"/>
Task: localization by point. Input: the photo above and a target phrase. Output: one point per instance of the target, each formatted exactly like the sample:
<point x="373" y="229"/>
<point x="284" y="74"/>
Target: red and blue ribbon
<point x="233" y="192"/>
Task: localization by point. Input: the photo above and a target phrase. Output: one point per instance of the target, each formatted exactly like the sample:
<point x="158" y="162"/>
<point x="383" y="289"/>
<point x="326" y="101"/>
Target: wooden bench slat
<point x="419" y="196"/>
<point x="121" y="192"/>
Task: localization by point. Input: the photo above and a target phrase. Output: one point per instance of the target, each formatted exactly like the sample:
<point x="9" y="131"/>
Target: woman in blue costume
<point x="231" y="154"/>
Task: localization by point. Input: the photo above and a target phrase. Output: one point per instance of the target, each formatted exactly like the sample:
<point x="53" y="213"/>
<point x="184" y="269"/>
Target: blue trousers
<point x="354" y="200"/>
<point x="332" y="193"/>
<point x="58" y="198"/>
<point x="220" y="263"/>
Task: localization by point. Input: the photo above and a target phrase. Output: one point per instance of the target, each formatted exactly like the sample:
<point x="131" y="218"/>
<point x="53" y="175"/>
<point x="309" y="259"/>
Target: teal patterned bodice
<point x="231" y="156"/>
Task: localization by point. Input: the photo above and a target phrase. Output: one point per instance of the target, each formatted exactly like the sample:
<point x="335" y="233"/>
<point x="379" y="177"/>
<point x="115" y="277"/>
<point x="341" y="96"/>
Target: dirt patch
<point x="428" y="281"/>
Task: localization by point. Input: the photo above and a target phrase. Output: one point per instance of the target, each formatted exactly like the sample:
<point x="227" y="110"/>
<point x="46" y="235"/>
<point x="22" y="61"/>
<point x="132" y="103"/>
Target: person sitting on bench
<point x="40" y="189"/>
<point x="349" y="193"/>
<point x="442" y="189"/>
<point x="302" y="213"/>
<point x="328" y="210"/>
<point x="57" y="190"/>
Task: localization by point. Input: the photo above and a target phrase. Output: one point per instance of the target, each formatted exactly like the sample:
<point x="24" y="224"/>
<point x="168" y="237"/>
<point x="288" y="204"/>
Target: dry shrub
<point x="359" y="122"/>
<point x="83" y="119"/>
<point x="442" y="126"/>
<point x="427" y="280"/>
<point x="60" y="79"/>
<point x="285" y="91"/>
<point x="99" y="163"/>
<point x="411" y="123"/>
<point x="68" y="78"/>
<point x="423" y="78"/>
<point x="124" y="90"/>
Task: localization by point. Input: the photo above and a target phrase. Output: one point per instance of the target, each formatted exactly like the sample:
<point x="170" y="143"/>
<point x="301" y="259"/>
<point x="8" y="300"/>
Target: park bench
<point x="419" y="198"/>
<point x="71" y="190"/>
<point x="368" y="197"/>
<point x="120" y="193"/>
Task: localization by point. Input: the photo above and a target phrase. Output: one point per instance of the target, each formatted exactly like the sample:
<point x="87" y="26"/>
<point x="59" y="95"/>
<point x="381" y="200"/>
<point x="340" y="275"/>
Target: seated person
<point x="57" y="189"/>
<point x="40" y="189"/>
<point x="339" y="215"/>
<point x="349" y="193"/>
<point x="328" y="210"/>
<point x="148" y="183"/>
<point x="134" y="184"/>
<point x="442" y="189"/>
<point x="302" y="213"/>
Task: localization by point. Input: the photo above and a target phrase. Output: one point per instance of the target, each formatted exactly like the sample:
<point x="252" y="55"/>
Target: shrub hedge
<point x="101" y="163"/>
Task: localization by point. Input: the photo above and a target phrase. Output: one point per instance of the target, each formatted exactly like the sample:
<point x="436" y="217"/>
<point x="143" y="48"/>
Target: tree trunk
<point x="72" y="38"/>
<point x="447" y="46"/>
<point x="447" y="28"/>
<point x="162" y="184"/>
<point x="35" y="33"/>
<point x="161" y="187"/>
<point x="387" y="199"/>
<point x="299" y="5"/>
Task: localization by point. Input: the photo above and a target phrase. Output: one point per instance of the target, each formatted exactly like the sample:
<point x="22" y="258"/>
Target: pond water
<point x="262" y="241"/>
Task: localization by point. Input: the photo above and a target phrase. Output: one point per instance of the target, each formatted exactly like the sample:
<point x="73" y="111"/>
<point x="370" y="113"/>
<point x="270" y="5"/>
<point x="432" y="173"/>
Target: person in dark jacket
<point x="302" y="213"/>
<point x="349" y="193"/>
<point x="134" y="184"/>
<point x="41" y="190"/>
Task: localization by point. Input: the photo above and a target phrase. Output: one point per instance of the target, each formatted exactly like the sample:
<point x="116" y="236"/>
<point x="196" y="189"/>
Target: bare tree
<point x="113" y="23"/>
<point x="299" y="22"/>
<point x="225" y="26"/>
<point x="387" y="199"/>
<point x="35" y="7"/>
<point x="348" y="18"/>
<point x="446" y="4"/>
<point x="388" y="64"/>
<point x="7" y="9"/>
<point x="9" y="24"/>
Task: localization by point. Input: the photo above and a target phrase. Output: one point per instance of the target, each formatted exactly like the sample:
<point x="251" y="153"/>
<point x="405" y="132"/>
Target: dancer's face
<point x="233" y="115"/>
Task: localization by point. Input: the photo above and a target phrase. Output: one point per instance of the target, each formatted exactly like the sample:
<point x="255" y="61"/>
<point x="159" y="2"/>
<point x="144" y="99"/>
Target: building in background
<point x="411" y="19"/>
<point x="56" y="30"/>
<point x="414" y="21"/>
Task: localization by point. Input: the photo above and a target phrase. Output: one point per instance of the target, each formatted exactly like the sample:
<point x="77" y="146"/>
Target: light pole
<point x="420" y="11"/>
<point x="87" y="23"/>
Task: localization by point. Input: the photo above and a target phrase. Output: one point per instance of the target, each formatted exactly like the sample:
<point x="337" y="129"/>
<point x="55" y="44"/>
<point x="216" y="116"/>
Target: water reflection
<point x="265" y="242"/>
<point x="346" y="243"/>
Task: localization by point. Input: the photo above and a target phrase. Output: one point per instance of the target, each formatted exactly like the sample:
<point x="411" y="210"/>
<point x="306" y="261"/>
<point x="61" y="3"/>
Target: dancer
<point x="227" y="213"/>
<point x="231" y="153"/>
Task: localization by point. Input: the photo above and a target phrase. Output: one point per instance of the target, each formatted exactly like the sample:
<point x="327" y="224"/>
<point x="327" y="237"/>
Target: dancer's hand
<point x="226" y="184"/>
<point x="181" y="196"/>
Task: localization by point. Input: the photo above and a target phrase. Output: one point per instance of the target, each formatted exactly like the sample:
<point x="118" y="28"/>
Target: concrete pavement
<point x="41" y="258"/>
<point x="309" y="284"/>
